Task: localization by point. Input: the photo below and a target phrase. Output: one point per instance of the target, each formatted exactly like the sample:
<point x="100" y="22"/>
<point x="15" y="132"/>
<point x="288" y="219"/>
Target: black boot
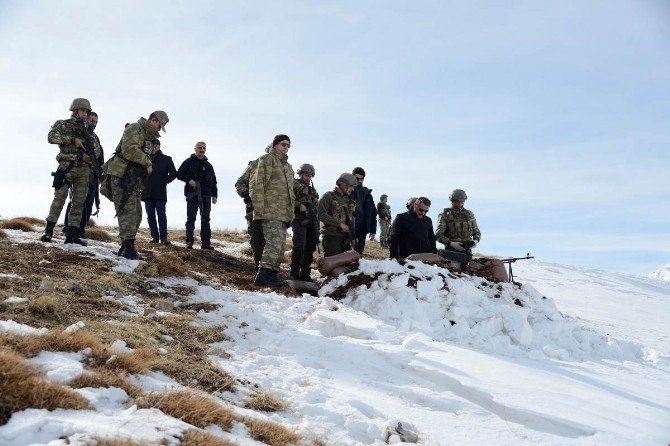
<point x="130" y="251"/>
<point x="267" y="277"/>
<point x="73" y="236"/>
<point x="295" y="272"/>
<point x="48" y="231"/>
<point x="305" y="275"/>
<point x="122" y="249"/>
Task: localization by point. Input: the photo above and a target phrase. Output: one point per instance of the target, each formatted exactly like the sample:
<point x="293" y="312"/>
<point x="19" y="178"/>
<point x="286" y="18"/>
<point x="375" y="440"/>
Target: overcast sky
<point x="552" y="115"/>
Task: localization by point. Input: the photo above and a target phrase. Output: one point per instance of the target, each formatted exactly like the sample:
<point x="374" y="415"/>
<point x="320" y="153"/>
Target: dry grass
<point x="91" y="223"/>
<point x="117" y="442"/>
<point x="165" y="265"/>
<point x="195" y="437"/>
<point x="32" y="220"/>
<point x="17" y="224"/>
<point x="195" y="371"/>
<point x="98" y="234"/>
<point x="106" y="378"/>
<point x="21" y="388"/>
<point x="266" y="402"/>
<point x="137" y="361"/>
<point x="48" y="306"/>
<point x="3" y="234"/>
<point x="194" y="408"/>
<point x="31" y="345"/>
<point x="271" y="433"/>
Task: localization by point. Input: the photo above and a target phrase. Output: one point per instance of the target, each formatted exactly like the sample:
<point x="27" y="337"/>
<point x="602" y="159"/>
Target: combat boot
<point x="122" y="249"/>
<point x="73" y="236"/>
<point x="295" y="272"/>
<point x="276" y="281"/>
<point x="130" y="252"/>
<point x="48" y="232"/>
<point x="305" y="275"/>
<point x="267" y="277"/>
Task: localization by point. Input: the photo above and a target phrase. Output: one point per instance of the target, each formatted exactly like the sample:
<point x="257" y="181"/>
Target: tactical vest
<point x="341" y="209"/>
<point x="459" y="224"/>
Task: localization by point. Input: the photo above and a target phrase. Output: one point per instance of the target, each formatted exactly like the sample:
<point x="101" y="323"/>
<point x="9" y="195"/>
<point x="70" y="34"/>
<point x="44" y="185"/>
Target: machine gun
<point x="511" y="260"/>
<point x="462" y="258"/>
<point x="197" y="192"/>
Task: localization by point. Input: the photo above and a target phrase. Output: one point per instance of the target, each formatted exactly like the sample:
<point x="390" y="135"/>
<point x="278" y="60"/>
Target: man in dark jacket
<point x="366" y="211"/>
<point x="200" y="191"/>
<point x="154" y="193"/>
<point x="412" y="231"/>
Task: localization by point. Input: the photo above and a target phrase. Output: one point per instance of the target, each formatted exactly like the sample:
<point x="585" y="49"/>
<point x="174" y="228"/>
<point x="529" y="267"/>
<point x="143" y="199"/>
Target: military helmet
<point x="458" y="194"/>
<point x="347" y="179"/>
<point x="306" y="168"/>
<point x="78" y="103"/>
<point x="384" y="197"/>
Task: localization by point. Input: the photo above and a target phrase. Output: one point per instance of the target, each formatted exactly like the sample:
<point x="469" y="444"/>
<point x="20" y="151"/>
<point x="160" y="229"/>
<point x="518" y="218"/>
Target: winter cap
<point x="280" y="138"/>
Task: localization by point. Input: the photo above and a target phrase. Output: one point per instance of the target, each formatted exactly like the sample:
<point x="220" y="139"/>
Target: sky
<point x="552" y="116"/>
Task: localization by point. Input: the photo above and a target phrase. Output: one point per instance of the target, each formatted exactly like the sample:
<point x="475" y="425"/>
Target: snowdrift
<point x="471" y="311"/>
<point x="663" y="273"/>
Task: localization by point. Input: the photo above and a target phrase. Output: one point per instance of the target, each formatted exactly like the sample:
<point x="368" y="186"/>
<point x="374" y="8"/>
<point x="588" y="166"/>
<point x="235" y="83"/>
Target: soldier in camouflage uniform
<point x="254" y="227"/>
<point x="384" y="213"/>
<point x="457" y="224"/>
<point x="129" y="164"/>
<point x="305" y="224"/>
<point x="271" y="191"/>
<point x="336" y="213"/>
<point x="73" y="170"/>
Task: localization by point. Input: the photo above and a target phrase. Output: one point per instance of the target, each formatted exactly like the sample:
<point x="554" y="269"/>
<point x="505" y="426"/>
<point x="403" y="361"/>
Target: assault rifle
<point x="88" y="148"/>
<point x="128" y="183"/>
<point x="351" y="236"/>
<point x="511" y="260"/>
<point x="197" y="192"/>
<point x="462" y="258"/>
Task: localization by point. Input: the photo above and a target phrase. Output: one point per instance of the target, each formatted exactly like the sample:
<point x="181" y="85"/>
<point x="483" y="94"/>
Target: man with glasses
<point x="412" y="231"/>
<point x="73" y="170"/>
<point x="457" y="227"/>
<point x="366" y="211"/>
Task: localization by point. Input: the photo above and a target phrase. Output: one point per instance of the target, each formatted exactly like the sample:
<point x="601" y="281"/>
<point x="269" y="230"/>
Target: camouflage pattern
<point x="79" y="177"/>
<point x="63" y="133"/>
<point x="135" y="147"/>
<point x="97" y="147"/>
<point x="254" y="227"/>
<point x="305" y="231"/>
<point x="457" y="225"/>
<point x="384" y="213"/>
<point x="82" y="103"/>
<point x="275" y="242"/>
<point x="271" y="188"/>
<point x="333" y="210"/>
<point x="333" y="245"/>
<point x="304" y="194"/>
<point x="130" y="217"/>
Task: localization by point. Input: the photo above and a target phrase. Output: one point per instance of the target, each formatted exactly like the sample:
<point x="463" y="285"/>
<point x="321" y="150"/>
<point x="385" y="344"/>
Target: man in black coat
<point x="412" y="231"/>
<point x="365" y="213"/>
<point x="201" y="192"/>
<point x="154" y="193"/>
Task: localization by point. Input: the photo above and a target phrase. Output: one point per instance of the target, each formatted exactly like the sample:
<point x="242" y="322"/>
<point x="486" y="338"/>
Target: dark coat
<point x="411" y="235"/>
<point x="198" y="170"/>
<point x="366" y="210"/>
<point x="164" y="173"/>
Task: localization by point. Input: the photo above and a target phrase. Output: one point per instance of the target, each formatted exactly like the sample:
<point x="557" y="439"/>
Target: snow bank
<point x="663" y="273"/>
<point x="15" y="327"/>
<point x="471" y="311"/>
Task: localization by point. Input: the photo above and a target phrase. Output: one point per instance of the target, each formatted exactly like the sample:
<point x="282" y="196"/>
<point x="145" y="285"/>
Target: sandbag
<point x="427" y="257"/>
<point x="327" y="264"/>
<point x="491" y="269"/>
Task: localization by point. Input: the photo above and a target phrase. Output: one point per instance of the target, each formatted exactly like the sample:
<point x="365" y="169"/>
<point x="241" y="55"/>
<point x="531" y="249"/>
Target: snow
<point x="15" y="300"/>
<point x="662" y="273"/>
<point x="13" y="327"/>
<point x="61" y="367"/>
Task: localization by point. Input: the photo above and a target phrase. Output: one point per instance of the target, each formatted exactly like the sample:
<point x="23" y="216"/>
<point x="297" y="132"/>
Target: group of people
<point x="344" y="218"/>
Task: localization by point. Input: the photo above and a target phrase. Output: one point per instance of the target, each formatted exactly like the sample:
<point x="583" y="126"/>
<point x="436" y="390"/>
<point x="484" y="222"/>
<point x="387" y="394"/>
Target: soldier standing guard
<point x="271" y="191"/>
<point x="384" y="213"/>
<point x="124" y="174"/>
<point x="305" y="224"/>
<point x="254" y="227"/>
<point x="457" y="224"/>
<point x="73" y="170"/>
<point x="336" y="213"/>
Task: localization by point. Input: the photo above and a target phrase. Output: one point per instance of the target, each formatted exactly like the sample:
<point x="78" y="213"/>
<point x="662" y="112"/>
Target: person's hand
<point x="457" y="246"/>
<point x="150" y="169"/>
<point x="344" y="228"/>
<point x="192" y="184"/>
<point x="86" y="158"/>
<point x="213" y="200"/>
<point x="372" y="236"/>
<point x="78" y="143"/>
<point x="303" y="209"/>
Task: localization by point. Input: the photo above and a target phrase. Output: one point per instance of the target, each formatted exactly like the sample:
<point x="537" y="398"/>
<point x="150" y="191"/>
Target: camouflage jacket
<point x="384" y="211"/>
<point x="307" y="195"/>
<point x="63" y="133"/>
<point x="135" y="147"/>
<point x="242" y="183"/>
<point x="335" y="209"/>
<point x="456" y="226"/>
<point x="271" y="188"/>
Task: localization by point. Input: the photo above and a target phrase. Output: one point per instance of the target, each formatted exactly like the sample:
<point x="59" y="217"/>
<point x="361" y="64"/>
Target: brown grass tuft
<point x="106" y="378"/>
<point x="118" y="442"/>
<point x="164" y="265"/>
<point x="266" y="402"/>
<point x="91" y="223"/>
<point x="271" y="433"/>
<point x="98" y="234"/>
<point x="21" y="389"/>
<point x="17" y="224"/>
<point x="3" y="234"/>
<point x="136" y="361"/>
<point x="49" y="306"/>
<point x="32" y="220"/>
<point x="195" y="371"/>
<point x="31" y="345"/>
<point x="194" y="408"/>
<point x="201" y="438"/>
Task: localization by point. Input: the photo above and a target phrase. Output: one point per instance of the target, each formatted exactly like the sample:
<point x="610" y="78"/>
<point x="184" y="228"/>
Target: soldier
<point x="336" y="214"/>
<point x="93" y="197"/>
<point x="412" y="231"/>
<point x="366" y="212"/>
<point x="305" y="224"/>
<point x="384" y="213"/>
<point x="124" y="173"/>
<point x="457" y="224"/>
<point x="201" y="192"/>
<point x="154" y="193"/>
<point x="254" y="227"/>
<point x="73" y="170"/>
<point x="271" y="192"/>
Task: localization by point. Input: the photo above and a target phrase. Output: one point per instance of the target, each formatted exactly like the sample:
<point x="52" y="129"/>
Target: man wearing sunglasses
<point x="366" y="211"/>
<point x="457" y="227"/>
<point x="412" y="231"/>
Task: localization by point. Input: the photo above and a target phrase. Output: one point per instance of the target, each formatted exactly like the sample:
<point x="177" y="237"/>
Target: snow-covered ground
<point x="574" y="357"/>
<point x="663" y="273"/>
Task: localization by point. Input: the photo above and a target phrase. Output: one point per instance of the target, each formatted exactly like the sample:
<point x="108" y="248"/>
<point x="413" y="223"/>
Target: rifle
<point x="129" y="182"/>
<point x="460" y="257"/>
<point x="351" y="236"/>
<point x="511" y="260"/>
<point x="197" y="192"/>
<point x="314" y="219"/>
<point x="90" y="151"/>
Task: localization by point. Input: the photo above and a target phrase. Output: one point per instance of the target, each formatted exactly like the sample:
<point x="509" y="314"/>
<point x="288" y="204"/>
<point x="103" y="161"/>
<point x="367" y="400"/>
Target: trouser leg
<point x="274" y="232"/>
<point x="257" y="240"/>
<point x="360" y="236"/>
<point x="60" y="195"/>
<point x="205" y="230"/>
<point x="80" y="180"/>
<point x="333" y="245"/>
<point x="299" y="242"/>
<point x="162" y="219"/>
<point x="130" y="214"/>
<point x="150" y="207"/>
<point x="88" y="204"/>
<point x="311" y="240"/>
<point x="191" y="214"/>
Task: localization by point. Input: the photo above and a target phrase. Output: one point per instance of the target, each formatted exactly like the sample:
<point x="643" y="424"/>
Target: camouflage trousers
<point x="335" y="244"/>
<point x="274" y="232"/>
<point x="78" y="176"/>
<point x="131" y="215"/>
<point x="384" y="225"/>
<point x="255" y="230"/>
